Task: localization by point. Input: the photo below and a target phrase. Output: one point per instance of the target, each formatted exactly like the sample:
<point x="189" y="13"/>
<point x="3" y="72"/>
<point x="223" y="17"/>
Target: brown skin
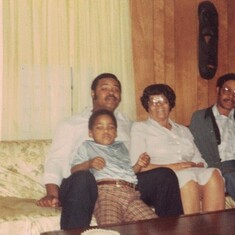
<point x="142" y="163"/>
<point x="160" y="113"/>
<point x="98" y="163"/>
<point x="108" y="96"/>
<point x="225" y="103"/>
<point x="104" y="132"/>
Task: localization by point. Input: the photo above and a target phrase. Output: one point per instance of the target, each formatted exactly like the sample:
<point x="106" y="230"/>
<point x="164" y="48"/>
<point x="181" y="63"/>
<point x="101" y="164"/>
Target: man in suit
<point x="213" y="129"/>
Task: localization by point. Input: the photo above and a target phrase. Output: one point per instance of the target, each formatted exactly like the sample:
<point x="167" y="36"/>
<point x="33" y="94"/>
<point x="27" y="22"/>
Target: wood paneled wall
<point x="165" y="42"/>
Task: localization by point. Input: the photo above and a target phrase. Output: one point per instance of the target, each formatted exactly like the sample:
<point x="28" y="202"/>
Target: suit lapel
<point x="209" y="114"/>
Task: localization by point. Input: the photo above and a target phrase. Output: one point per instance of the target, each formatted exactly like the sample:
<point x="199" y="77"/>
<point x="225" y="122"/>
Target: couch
<point x="21" y="185"/>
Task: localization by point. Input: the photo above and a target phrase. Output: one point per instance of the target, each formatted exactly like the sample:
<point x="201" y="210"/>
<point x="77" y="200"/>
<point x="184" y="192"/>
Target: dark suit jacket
<point x="206" y="136"/>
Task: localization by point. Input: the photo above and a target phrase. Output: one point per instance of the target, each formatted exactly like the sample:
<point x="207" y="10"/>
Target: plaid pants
<point x="120" y="204"/>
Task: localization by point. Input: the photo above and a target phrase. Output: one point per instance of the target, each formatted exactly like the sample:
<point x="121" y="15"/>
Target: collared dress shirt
<point x="226" y="126"/>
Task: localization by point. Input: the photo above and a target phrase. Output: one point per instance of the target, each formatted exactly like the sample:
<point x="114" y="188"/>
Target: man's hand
<point x="97" y="163"/>
<point x="51" y="199"/>
<point x="48" y="201"/>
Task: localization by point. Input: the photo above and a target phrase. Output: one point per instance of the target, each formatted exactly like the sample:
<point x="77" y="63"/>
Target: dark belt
<point x="118" y="183"/>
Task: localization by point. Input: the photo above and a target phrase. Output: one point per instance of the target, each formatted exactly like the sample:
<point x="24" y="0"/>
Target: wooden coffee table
<point x="215" y="223"/>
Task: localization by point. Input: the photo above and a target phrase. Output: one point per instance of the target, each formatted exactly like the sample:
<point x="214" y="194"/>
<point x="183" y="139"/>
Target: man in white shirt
<point x="214" y="131"/>
<point x="77" y="193"/>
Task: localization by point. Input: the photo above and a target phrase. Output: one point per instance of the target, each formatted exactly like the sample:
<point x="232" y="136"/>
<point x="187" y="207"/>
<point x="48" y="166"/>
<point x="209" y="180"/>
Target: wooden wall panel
<point x="202" y="85"/>
<point x="173" y="26"/>
<point x="221" y="7"/>
<point x="142" y="29"/>
<point x="169" y="45"/>
<point x="159" y="41"/>
<point x="186" y="62"/>
<point x="231" y="36"/>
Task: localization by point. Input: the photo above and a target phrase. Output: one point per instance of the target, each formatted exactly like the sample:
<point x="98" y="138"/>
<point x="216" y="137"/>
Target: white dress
<point x="169" y="146"/>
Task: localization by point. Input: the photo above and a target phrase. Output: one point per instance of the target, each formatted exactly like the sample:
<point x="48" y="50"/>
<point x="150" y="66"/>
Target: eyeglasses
<point x="228" y="91"/>
<point x="158" y="100"/>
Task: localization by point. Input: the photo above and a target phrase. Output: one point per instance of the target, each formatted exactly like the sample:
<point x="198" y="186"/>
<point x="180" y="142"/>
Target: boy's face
<point x="103" y="130"/>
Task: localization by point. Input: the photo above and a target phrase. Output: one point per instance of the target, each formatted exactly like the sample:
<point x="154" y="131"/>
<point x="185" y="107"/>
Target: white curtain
<point x="1" y="66"/>
<point x="52" y="50"/>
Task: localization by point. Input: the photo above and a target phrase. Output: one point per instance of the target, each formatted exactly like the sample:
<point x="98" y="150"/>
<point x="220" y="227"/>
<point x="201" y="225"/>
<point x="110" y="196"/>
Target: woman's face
<point x="158" y="107"/>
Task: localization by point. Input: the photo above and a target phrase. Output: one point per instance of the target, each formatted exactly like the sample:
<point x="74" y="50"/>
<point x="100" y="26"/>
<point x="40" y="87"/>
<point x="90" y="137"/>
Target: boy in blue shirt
<point x="118" y="198"/>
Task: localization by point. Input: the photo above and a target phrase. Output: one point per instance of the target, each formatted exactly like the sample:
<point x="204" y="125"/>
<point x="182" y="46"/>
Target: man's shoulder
<point x="201" y="112"/>
<point x="201" y="118"/>
<point x="121" y="116"/>
<point x="122" y="119"/>
<point x="78" y="118"/>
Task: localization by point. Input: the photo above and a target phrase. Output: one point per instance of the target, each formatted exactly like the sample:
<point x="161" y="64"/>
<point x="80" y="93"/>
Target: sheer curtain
<point x="1" y="66"/>
<point x="52" y="51"/>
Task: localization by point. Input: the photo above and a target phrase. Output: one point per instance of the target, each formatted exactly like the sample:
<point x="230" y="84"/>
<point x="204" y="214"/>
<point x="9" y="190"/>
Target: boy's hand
<point x="143" y="160"/>
<point x="97" y="163"/>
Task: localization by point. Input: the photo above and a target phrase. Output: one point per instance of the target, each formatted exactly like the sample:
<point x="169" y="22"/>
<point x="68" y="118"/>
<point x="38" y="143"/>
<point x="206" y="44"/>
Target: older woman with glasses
<point x="171" y="145"/>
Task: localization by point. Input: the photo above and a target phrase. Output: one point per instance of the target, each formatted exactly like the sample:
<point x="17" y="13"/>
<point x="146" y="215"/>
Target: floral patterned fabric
<point x="21" y="170"/>
<point x="21" y="184"/>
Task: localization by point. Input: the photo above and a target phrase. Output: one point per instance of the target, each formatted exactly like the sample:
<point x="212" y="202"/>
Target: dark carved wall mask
<point x="208" y="39"/>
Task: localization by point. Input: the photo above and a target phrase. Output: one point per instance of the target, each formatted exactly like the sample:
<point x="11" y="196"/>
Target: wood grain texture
<point x="219" y="222"/>
<point x="159" y="41"/>
<point x="231" y="36"/>
<point x="169" y="46"/>
<point x="143" y="53"/>
<point x="165" y="46"/>
<point x="221" y="7"/>
<point x="186" y="54"/>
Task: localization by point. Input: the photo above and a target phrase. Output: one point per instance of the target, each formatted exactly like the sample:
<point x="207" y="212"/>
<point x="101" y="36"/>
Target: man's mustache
<point x="107" y="97"/>
<point x="230" y="100"/>
<point x="111" y="96"/>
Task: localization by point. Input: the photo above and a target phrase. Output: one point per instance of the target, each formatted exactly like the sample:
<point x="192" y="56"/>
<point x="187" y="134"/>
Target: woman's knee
<point x="217" y="176"/>
<point x="190" y="187"/>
